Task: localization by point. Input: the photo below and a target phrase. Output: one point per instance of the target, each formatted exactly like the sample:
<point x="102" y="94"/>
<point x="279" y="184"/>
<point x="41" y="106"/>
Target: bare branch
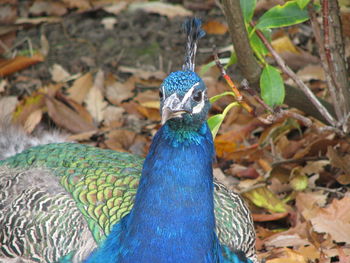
<point x="308" y="93"/>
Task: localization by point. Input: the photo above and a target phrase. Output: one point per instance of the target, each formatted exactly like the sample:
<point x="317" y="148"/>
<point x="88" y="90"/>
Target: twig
<point x="299" y="160"/>
<point x="308" y="93"/>
<point x="321" y="50"/>
<point x="336" y="191"/>
<point x="251" y="188"/>
<point x="278" y="113"/>
<point x="239" y="96"/>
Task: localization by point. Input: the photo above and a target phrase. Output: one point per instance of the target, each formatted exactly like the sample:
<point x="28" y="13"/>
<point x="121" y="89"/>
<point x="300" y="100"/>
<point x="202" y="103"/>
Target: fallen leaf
<point x="33" y="120"/>
<point x="59" y="74"/>
<point x="37" y="20"/>
<point x="293" y="237"/>
<point x="342" y="162"/>
<point x="160" y="8"/>
<point x="80" y="4"/>
<point x="215" y="27"/>
<point x="269" y="217"/>
<point x="120" y="140"/>
<point x="309" y="252"/>
<point x="7" y="106"/>
<point x="25" y="107"/>
<point x="113" y="116"/>
<point x="109" y="22"/>
<point x="284" y="44"/>
<point x="80" y="88"/>
<point x="39" y="8"/>
<point x="142" y="74"/>
<point x="3" y="85"/>
<point x="262" y="197"/>
<point x="94" y="100"/>
<point x="286" y="255"/>
<point x="116" y="91"/>
<point x="18" y="63"/>
<point x="84" y="136"/>
<point x="116" y="8"/>
<point x="311" y="72"/>
<point x="154" y="104"/>
<point x="66" y="117"/>
<point x="334" y="220"/>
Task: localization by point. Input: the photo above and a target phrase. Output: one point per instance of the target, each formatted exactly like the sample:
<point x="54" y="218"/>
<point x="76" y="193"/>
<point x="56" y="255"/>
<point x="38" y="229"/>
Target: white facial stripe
<point x="188" y="94"/>
<point x="198" y="107"/>
<point x="163" y="91"/>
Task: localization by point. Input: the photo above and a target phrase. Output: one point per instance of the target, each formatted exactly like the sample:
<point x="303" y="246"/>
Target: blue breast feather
<point x="172" y="219"/>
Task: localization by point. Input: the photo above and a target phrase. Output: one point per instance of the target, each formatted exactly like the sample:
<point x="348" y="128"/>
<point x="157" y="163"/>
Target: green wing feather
<point x="102" y="182"/>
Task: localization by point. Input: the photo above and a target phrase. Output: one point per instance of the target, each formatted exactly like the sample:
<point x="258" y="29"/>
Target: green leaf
<point x="302" y="3"/>
<point x="256" y="43"/>
<point x="263" y="197"/>
<point x="248" y="7"/>
<point x="272" y="86"/>
<point x="215" y="121"/>
<point x="298" y="181"/>
<point x="233" y="59"/>
<point x="280" y="16"/>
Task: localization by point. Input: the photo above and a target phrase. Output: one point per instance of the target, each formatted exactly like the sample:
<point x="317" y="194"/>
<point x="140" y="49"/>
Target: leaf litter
<point x="295" y="180"/>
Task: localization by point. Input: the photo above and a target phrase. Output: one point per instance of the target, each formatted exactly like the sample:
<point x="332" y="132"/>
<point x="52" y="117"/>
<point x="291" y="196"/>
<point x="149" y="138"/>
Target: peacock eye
<point x="197" y="96"/>
<point x="161" y="94"/>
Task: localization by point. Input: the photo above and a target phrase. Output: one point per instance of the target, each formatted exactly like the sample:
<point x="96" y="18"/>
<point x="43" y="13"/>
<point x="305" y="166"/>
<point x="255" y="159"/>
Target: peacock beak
<point x="173" y="107"/>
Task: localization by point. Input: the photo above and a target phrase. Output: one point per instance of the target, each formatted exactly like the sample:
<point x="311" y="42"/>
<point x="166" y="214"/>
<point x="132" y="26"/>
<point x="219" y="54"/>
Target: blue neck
<point x="173" y="216"/>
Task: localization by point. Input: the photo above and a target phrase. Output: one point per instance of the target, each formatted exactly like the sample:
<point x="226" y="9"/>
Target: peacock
<point x="68" y="202"/>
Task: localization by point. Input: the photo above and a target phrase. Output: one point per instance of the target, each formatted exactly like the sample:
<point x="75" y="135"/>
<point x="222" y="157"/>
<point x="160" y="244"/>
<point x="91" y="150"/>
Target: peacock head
<point x="184" y="100"/>
<point x="183" y="94"/>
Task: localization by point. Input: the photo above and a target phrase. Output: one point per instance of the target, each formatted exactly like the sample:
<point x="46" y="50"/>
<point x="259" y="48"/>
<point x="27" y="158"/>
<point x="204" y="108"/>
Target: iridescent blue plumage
<point x="173" y="215"/>
<point x="172" y="219"/>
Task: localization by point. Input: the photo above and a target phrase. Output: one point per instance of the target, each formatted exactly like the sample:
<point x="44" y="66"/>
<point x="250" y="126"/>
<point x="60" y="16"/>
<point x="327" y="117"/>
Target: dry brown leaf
<point x="18" y="63"/>
<point x="286" y="255"/>
<point x="80" y="88"/>
<point x="293" y="237"/>
<point x="94" y="100"/>
<point x="51" y="8"/>
<point x="37" y="20"/>
<point x="66" y="117"/>
<point x="269" y="217"/>
<point x="109" y="22"/>
<point x="7" y="106"/>
<point x="33" y="120"/>
<point x="116" y="91"/>
<point x="342" y="162"/>
<point x="80" y="4"/>
<point x="59" y="74"/>
<point x="113" y="116"/>
<point x="309" y="252"/>
<point x="3" y="85"/>
<point x="120" y="140"/>
<point x="311" y="72"/>
<point x="116" y="8"/>
<point x="334" y="220"/>
<point x="160" y="8"/>
<point x="143" y="74"/>
<point x="214" y="27"/>
<point x="84" y="136"/>
<point x="307" y="203"/>
<point x="28" y="105"/>
<point x="284" y="44"/>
